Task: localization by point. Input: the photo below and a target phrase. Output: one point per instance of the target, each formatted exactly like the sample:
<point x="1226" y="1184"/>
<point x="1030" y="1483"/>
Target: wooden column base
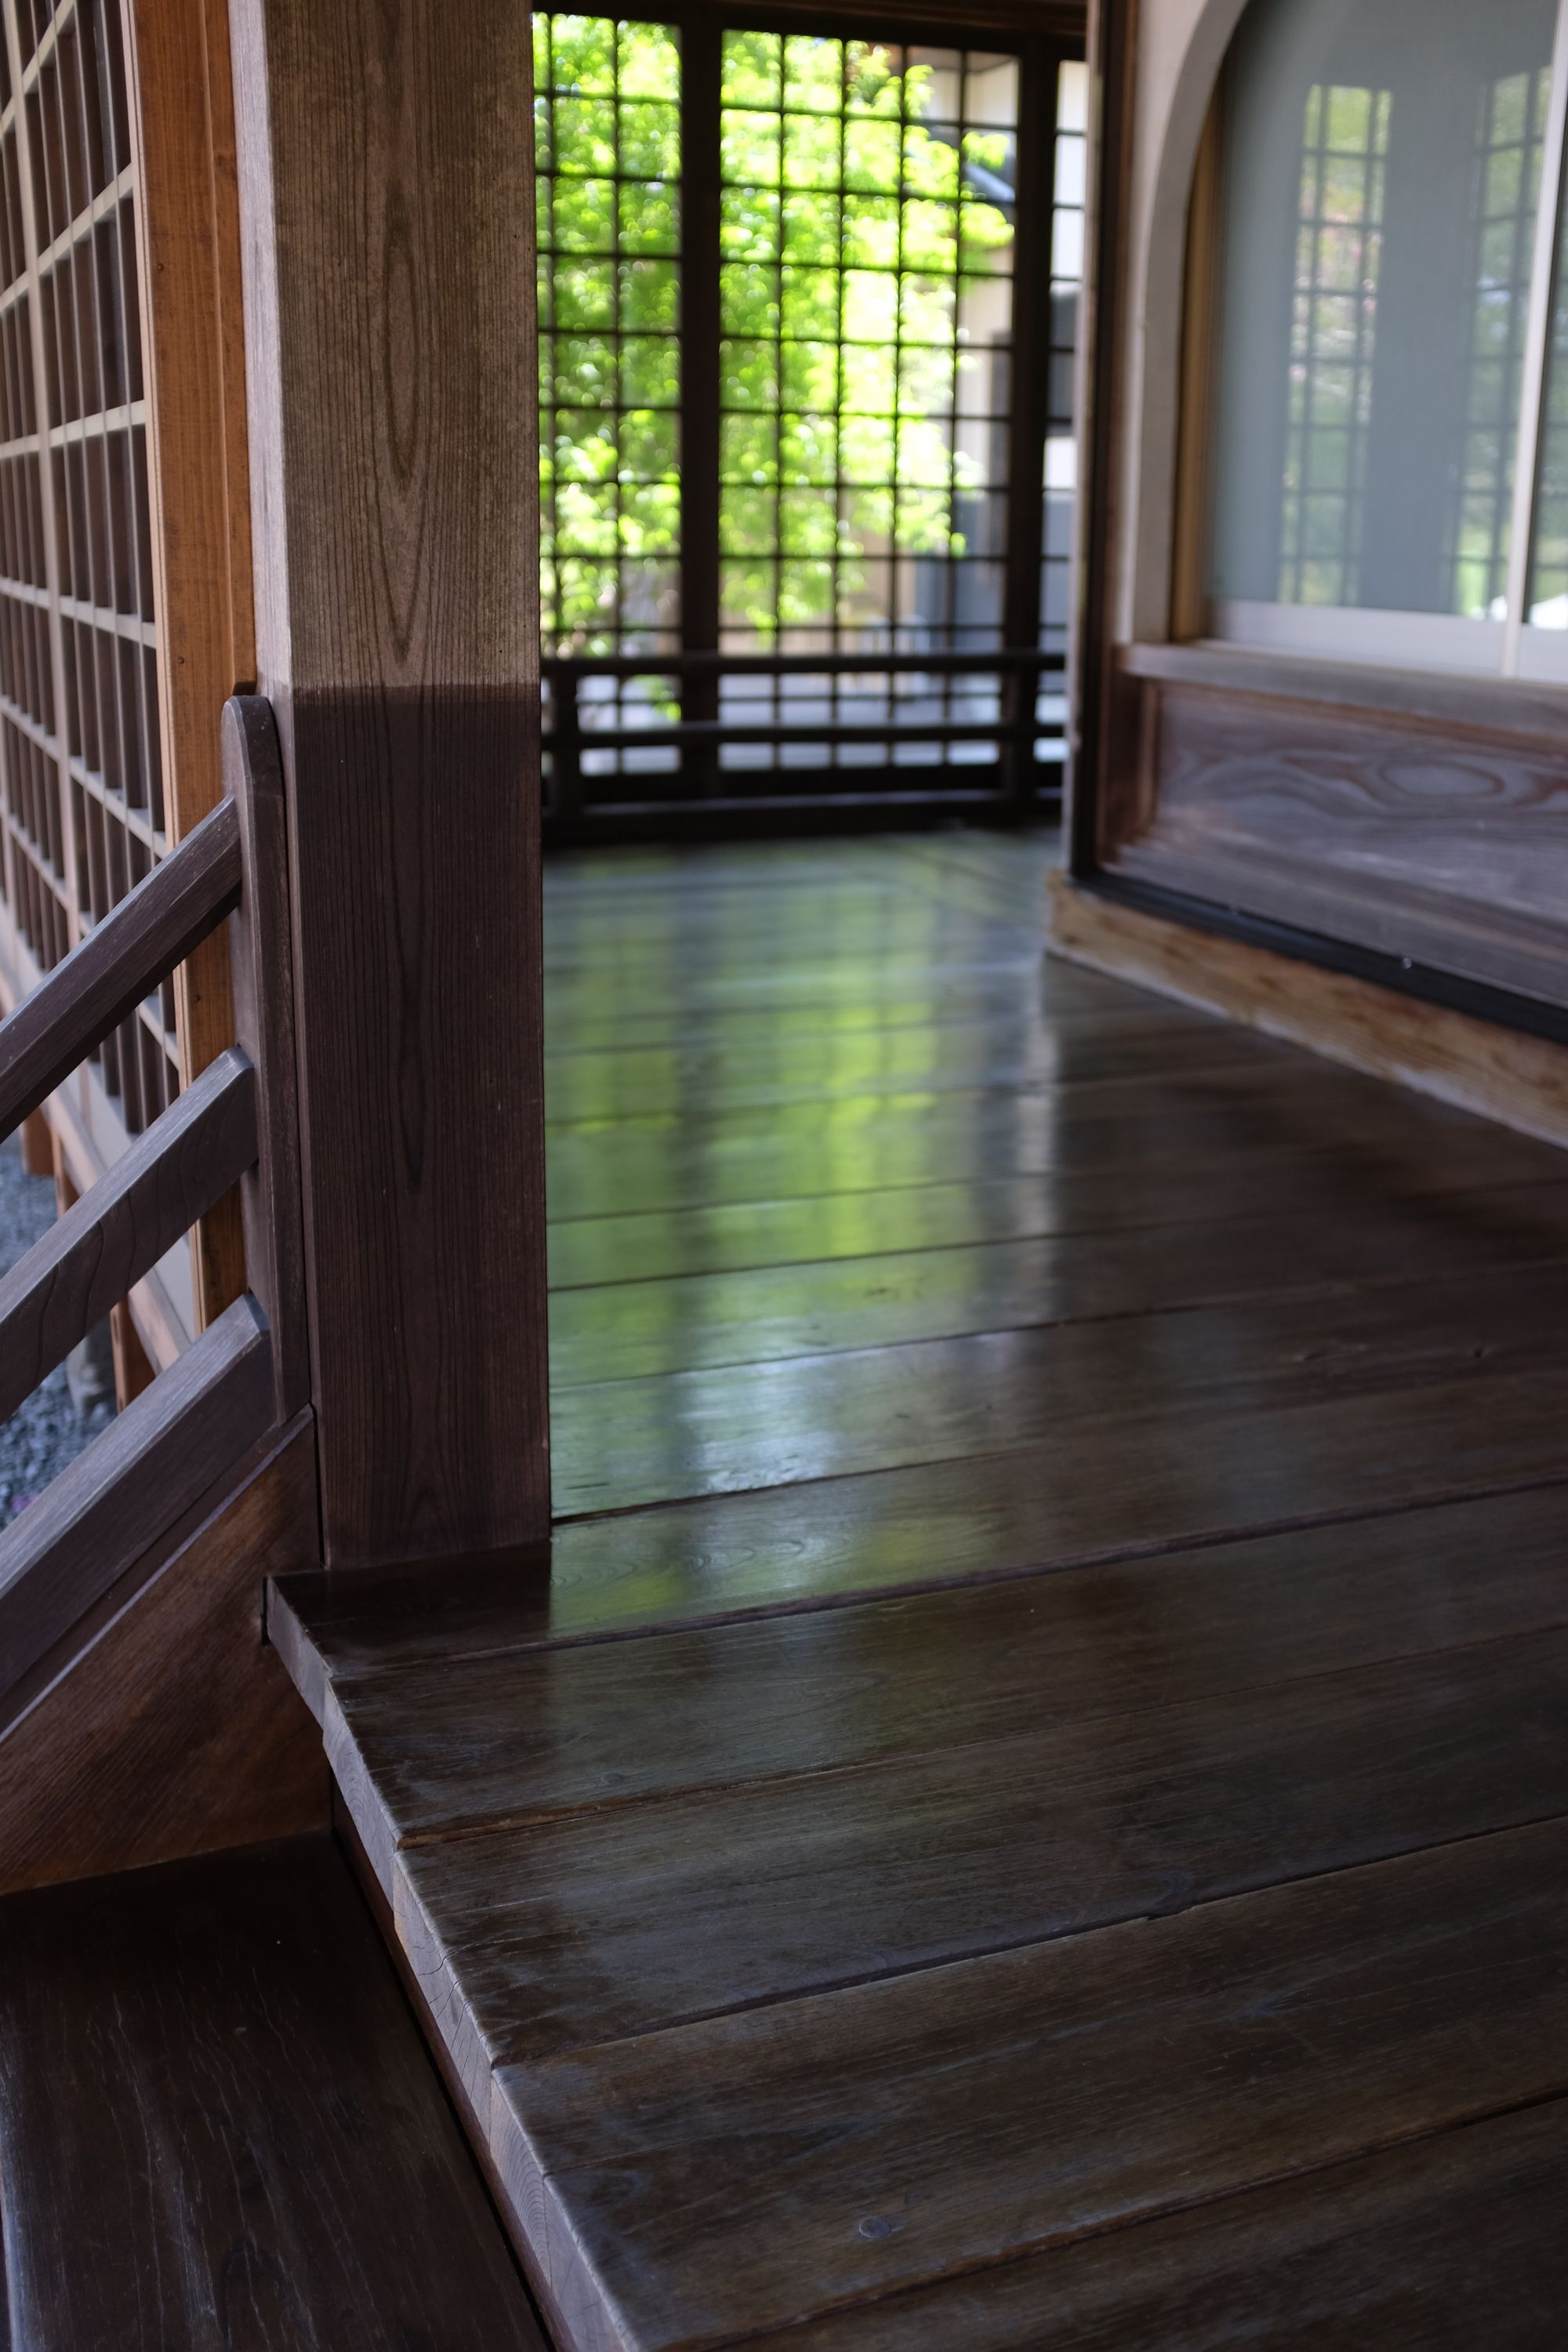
<point x="1520" y="1081"/>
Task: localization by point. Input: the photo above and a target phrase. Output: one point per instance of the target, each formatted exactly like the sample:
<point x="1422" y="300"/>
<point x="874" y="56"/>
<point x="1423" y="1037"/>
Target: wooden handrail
<point x="63" y="1561"/>
<point x="90" y="1258"/>
<point x="157" y="1458"/>
<point x="76" y="1005"/>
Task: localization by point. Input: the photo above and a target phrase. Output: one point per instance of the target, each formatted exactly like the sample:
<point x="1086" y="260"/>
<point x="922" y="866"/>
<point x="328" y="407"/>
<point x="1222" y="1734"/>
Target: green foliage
<point x="853" y="242"/>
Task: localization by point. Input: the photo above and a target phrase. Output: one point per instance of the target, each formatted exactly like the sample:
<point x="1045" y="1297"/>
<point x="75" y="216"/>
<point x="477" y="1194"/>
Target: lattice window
<point x="779" y="354"/>
<point x="80" y="761"/>
<point x="607" y="146"/>
<point x="1339" y="247"/>
<point x="867" y="201"/>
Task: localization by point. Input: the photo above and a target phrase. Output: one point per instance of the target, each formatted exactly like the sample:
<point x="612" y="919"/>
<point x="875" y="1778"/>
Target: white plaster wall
<point x="1180" y="48"/>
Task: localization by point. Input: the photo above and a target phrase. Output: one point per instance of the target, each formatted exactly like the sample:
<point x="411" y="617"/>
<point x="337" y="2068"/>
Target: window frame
<point x="698" y="793"/>
<point x="1510" y="651"/>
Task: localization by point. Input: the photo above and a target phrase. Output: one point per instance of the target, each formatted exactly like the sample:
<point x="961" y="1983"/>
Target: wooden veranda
<point x="805" y="1628"/>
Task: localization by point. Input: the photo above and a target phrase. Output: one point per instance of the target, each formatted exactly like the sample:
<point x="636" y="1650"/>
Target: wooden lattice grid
<point x="81" y="786"/>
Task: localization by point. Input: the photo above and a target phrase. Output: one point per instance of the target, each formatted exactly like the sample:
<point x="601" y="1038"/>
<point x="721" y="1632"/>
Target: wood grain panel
<point x="1439" y="2247"/>
<point x="168" y="1729"/>
<point x="393" y="470"/>
<point x="899" y="2132"/>
<point x="1439" y="844"/>
<point x="209" y="2078"/>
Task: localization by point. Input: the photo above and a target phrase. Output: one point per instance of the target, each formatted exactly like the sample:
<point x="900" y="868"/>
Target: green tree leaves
<point x="859" y="218"/>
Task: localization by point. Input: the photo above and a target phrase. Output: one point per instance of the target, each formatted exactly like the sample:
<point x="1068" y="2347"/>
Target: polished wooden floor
<point x="1027" y="1802"/>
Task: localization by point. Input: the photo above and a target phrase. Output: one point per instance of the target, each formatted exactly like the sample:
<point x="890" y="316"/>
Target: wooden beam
<point x="1499" y="1073"/>
<point x="182" y="117"/>
<point x="387" y="204"/>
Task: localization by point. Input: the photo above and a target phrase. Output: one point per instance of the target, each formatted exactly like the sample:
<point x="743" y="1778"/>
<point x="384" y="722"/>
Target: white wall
<point x="1181" y="46"/>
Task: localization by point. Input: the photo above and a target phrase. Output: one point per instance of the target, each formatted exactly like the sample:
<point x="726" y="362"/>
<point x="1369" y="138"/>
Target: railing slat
<point x="134" y="947"/>
<point x="112" y="1503"/>
<point x="89" y="1258"/>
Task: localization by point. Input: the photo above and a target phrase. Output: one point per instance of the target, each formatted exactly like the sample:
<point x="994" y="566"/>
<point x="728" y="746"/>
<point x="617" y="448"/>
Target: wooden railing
<point x="1015" y="779"/>
<point x="234" y="1124"/>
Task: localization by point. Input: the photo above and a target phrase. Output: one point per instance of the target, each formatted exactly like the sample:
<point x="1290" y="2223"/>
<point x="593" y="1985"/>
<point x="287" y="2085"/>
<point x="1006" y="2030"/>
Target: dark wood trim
<point x="701" y="78"/>
<point x="968" y="21"/>
<point x="184" y="898"/>
<point x="263" y="994"/>
<point x="1195" y="422"/>
<point x="87" y="1261"/>
<point x="1113" y="38"/>
<point x="778" y="815"/>
<point x="1038" y="75"/>
<point x="112" y="1502"/>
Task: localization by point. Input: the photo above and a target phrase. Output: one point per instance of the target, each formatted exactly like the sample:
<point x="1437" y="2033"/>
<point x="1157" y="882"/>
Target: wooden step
<point x="220" y="2130"/>
<point x="847" y="1970"/>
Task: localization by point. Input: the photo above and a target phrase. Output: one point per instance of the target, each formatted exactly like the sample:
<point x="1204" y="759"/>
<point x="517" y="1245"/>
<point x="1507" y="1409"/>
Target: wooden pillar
<point x="386" y="212"/>
<point x="182" y="130"/>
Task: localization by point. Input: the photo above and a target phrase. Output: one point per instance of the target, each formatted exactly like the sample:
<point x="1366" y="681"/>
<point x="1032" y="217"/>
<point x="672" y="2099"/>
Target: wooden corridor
<point x="1026" y="1804"/>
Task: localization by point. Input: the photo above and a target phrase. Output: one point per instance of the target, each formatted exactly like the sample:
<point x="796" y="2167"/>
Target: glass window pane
<point x="1381" y="185"/>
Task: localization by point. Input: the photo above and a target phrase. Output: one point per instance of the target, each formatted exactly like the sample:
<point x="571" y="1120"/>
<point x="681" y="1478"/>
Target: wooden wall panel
<point x="174" y="1732"/>
<point x="386" y="200"/>
<point x="1442" y="843"/>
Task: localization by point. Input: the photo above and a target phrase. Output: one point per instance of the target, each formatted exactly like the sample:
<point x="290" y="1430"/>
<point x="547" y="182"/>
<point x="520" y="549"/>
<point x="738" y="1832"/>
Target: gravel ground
<point x="47" y="1432"/>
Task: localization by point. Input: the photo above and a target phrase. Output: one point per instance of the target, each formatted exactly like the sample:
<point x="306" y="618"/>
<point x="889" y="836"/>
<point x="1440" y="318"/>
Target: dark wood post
<point x="387" y="209"/>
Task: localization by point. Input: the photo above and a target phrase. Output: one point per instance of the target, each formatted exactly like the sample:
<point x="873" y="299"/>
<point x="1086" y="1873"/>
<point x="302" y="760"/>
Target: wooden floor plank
<point x="868" y="1063"/>
<point x="1028" y="1803"/>
<point x="1446" y="2245"/>
<point x="632" y="1442"/>
<point x="836" y="1543"/>
<point x="452" y="1733"/>
<point x="218" y="2126"/>
<point x="634" y="1022"/>
<point x="731" y="2175"/>
<point x="736" y="1237"/>
<point x="1260" y="1116"/>
<point x="642" y="1328"/>
<point x="629" y="1917"/>
<point x="823" y="1001"/>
